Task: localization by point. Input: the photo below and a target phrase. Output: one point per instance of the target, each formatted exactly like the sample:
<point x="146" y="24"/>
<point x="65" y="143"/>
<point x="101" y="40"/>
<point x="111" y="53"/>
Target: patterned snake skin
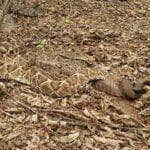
<point x="18" y="69"/>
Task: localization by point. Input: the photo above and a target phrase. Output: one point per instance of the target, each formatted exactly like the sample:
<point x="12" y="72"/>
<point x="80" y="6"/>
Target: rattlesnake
<point x="18" y="69"/>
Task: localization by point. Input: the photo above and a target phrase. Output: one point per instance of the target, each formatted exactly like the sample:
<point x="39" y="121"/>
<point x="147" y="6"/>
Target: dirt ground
<point x="114" y="34"/>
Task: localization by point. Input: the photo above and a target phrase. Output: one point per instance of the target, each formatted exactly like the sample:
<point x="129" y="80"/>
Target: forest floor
<point x="116" y="35"/>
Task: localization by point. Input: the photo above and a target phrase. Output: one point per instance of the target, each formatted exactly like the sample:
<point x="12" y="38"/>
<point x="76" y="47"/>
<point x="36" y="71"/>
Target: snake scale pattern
<point x="18" y="69"/>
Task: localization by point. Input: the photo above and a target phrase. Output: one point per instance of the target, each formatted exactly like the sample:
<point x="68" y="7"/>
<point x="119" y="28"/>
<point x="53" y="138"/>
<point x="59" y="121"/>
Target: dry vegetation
<point x="113" y="34"/>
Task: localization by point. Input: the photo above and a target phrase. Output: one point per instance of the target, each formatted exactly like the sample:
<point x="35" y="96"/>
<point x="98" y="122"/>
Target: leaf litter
<point x="113" y="34"/>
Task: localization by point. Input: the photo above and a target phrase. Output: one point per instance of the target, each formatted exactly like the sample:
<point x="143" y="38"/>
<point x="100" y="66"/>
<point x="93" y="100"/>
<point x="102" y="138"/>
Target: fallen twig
<point x="7" y="114"/>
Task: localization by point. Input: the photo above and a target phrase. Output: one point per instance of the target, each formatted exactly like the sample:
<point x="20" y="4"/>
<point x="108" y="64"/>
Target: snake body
<point x="18" y="69"/>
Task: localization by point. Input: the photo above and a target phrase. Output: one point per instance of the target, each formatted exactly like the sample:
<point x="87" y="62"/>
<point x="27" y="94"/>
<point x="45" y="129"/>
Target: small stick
<point x="7" y="114"/>
<point x="26" y="106"/>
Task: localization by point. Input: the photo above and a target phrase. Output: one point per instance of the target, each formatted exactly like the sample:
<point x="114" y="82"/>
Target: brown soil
<point x="111" y="33"/>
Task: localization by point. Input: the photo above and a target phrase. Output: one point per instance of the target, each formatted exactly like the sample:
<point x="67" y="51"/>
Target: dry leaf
<point x="107" y="140"/>
<point x="34" y="118"/>
<point x="69" y="138"/>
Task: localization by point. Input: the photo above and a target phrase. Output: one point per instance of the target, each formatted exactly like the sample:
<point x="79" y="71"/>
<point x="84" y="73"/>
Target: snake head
<point x="139" y="86"/>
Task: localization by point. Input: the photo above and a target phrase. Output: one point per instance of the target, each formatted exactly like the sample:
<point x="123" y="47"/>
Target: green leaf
<point x="42" y="44"/>
<point x="68" y="20"/>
